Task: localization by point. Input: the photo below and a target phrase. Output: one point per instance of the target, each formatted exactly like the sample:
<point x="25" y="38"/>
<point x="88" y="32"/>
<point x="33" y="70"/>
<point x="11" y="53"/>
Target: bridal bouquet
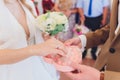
<point x="77" y="30"/>
<point x="52" y="23"/>
<point x="80" y="29"/>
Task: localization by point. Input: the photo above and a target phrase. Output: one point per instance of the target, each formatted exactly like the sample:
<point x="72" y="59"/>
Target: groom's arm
<point x="98" y="37"/>
<point x="95" y="38"/>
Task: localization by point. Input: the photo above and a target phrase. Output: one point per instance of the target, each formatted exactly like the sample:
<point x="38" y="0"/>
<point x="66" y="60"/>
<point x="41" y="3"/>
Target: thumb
<point x="69" y="42"/>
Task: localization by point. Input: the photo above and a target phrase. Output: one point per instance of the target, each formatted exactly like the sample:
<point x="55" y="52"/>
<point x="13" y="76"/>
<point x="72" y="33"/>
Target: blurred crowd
<point x="93" y="14"/>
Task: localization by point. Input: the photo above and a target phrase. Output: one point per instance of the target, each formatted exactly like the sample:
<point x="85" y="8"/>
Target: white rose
<point x="59" y="17"/>
<point x="50" y="24"/>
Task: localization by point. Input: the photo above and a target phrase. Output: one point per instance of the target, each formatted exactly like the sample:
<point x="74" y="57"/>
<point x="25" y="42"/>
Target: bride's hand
<point x="50" y="46"/>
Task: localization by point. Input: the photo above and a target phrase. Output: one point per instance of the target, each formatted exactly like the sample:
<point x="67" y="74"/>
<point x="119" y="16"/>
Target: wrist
<point x="78" y="40"/>
<point x="26" y="52"/>
<point x="32" y="50"/>
<point x="102" y="76"/>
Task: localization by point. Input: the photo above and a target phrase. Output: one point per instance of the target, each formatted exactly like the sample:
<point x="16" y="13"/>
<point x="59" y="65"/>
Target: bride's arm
<point x="9" y="56"/>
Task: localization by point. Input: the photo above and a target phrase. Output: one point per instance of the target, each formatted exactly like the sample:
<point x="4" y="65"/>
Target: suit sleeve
<point x="98" y="37"/>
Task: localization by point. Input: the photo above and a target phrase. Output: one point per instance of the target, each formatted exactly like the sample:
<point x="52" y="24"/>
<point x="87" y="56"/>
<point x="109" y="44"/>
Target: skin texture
<point x="74" y="41"/>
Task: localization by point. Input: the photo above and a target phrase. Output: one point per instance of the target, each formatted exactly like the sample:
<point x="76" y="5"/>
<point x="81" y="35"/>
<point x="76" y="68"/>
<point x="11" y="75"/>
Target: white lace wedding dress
<point x="12" y="36"/>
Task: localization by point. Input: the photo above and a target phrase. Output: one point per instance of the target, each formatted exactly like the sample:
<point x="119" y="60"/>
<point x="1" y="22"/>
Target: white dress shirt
<point x="83" y="37"/>
<point x="97" y="6"/>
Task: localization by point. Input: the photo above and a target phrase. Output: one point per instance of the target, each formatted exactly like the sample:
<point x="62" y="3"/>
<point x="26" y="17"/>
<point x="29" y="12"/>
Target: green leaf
<point x="61" y="14"/>
<point x="58" y="28"/>
<point x="78" y="30"/>
<point x="48" y="15"/>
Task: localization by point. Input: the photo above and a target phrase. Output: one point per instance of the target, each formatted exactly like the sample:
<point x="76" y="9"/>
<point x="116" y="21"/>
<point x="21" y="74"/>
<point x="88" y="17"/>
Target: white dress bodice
<point x="12" y="36"/>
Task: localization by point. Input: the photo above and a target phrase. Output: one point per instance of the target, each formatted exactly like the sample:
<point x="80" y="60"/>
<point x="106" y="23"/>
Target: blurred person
<point x="69" y="9"/>
<point x="93" y="13"/>
<point x="109" y="55"/>
<point x="38" y="6"/>
<point x="47" y="5"/>
<point x="35" y="2"/>
<point x="21" y="45"/>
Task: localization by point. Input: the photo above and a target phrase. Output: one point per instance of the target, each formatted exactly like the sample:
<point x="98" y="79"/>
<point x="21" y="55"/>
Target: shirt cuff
<point x="83" y="41"/>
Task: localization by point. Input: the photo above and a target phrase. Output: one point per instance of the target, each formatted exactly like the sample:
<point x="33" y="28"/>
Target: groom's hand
<point x="74" y="41"/>
<point x="84" y="73"/>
